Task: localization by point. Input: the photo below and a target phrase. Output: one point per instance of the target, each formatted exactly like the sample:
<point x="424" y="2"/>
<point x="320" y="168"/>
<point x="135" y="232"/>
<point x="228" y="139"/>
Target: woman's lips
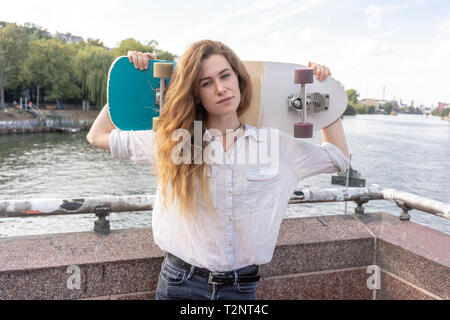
<point x="225" y="100"/>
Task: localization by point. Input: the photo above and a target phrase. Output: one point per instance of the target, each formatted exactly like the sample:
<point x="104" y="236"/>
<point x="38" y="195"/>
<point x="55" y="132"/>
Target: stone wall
<point x="315" y="258"/>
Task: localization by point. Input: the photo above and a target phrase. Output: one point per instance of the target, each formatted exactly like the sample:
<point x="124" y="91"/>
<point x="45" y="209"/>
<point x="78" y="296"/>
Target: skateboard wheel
<point x="302" y="76"/>
<point x="155" y="124"/>
<point x="303" y="130"/>
<point x="162" y="70"/>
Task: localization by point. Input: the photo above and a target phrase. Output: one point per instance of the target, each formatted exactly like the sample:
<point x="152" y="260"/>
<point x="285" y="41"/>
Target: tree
<point x="51" y="65"/>
<point x="352" y="96"/>
<point x="350" y="111"/>
<point x="95" y="43"/>
<point x="134" y="45"/>
<point x="165" y="55"/>
<point x="352" y="106"/>
<point x="36" y="32"/>
<point x="92" y="65"/>
<point x="388" y="107"/>
<point x="444" y="112"/>
<point x="149" y="46"/>
<point x="13" y="51"/>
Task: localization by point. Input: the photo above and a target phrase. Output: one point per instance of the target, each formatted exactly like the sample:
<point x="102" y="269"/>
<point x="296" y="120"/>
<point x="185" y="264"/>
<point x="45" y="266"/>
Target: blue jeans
<point x="175" y="283"/>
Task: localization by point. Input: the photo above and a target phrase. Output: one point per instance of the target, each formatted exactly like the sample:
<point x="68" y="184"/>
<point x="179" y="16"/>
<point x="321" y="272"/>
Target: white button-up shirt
<point x="250" y="197"/>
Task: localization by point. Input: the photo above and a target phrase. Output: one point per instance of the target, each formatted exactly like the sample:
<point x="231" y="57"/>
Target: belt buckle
<point x="212" y="274"/>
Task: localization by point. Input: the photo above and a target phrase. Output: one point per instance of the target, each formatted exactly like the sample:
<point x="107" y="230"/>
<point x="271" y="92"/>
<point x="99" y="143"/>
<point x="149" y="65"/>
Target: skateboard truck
<point x="300" y="103"/>
<point x="162" y="71"/>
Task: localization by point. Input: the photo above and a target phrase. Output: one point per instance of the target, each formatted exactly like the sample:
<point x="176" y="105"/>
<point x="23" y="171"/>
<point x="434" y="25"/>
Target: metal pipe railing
<point x="102" y="206"/>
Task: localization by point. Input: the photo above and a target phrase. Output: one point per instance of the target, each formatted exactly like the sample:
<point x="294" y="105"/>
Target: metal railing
<point x="103" y="206"/>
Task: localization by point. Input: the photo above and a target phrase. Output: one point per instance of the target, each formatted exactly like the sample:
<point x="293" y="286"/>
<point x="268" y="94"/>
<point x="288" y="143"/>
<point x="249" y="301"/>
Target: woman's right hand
<point x="140" y="59"/>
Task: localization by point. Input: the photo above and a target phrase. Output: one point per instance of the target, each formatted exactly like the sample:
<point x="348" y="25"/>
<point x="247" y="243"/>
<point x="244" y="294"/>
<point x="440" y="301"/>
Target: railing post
<point x="405" y="213"/>
<point x="360" y="209"/>
<point x="102" y="225"/>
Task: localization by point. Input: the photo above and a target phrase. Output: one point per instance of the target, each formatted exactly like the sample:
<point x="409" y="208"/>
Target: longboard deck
<point x="273" y="82"/>
<point x="132" y="99"/>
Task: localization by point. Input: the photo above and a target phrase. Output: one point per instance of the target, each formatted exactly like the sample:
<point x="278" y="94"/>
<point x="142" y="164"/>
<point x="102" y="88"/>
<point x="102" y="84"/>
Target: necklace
<point x="231" y="144"/>
<point x="223" y="134"/>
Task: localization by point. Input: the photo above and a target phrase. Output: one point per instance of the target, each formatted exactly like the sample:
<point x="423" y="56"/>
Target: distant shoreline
<point x="70" y="121"/>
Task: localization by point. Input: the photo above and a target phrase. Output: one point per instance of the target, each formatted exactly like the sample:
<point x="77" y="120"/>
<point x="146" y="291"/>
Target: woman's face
<point x="218" y="86"/>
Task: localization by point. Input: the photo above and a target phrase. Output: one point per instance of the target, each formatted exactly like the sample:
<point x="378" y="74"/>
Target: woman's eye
<point x="206" y="83"/>
<point x="226" y="76"/>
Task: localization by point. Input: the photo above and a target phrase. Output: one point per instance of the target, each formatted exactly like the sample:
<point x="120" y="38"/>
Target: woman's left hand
<point x="320" y="71"/>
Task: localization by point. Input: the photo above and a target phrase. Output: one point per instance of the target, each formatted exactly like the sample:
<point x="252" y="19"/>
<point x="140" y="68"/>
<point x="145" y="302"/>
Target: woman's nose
<point x="219" y="87"/>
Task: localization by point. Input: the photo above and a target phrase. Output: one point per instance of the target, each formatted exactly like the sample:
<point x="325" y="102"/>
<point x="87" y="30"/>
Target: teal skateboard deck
<point x="133" y="95"/>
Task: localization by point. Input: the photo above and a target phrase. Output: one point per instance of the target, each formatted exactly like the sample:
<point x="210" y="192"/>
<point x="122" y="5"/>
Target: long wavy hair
<point x="179" y="112"/>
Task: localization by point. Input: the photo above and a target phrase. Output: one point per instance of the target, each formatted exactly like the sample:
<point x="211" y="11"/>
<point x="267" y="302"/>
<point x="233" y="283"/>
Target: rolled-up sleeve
<point x="308" y="159"/>
<point x="138" y="146"/>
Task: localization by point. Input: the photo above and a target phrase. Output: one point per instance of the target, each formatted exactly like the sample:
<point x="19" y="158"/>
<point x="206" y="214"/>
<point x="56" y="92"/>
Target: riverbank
<point x="69" y="121"/>
<point x="13" y="114"/>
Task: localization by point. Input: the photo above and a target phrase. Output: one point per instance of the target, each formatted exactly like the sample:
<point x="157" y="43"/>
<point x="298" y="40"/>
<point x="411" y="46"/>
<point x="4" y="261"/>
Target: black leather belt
<point x="227" y="278"/>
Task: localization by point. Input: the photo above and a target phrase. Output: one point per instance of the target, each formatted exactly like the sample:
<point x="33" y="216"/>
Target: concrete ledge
<point x="317" y="244"/>
<point x="395" y="288"/>
<point x="415" y="253"/>
<point x="347" y="284"/>
<point x="315" y="258"/>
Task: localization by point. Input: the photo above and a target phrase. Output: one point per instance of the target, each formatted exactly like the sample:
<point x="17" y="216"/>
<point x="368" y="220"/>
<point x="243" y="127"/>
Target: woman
<point x="217" y="220"/>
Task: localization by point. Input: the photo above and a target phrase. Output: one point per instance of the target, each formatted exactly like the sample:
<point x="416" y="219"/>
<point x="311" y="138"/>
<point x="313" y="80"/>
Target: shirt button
<point x="230" y="245"/>
<point x="229" y="219"/>
<point x="229" y="192"/>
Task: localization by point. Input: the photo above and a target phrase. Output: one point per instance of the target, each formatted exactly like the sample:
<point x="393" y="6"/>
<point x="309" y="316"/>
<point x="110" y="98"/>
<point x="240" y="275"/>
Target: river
<point x="406" y="152"/>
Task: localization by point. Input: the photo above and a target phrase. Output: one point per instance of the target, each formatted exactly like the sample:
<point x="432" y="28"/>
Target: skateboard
<point x="134" y="96"/>
<point x="285" y="96"/>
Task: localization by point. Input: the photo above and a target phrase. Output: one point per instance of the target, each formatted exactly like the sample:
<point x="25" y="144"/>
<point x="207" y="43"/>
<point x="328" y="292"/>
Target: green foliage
<point x="13" y="50"/>
<point x="92" y="65"/>
<point x="95" y="43"/>
<point x="352" y="96"/>
<point x="30" y="57"/>
<point x="444" y="112"/>
<point x="51" y="65"/>
<point x="131" y="44"/>
<point x="363" y="109"/>
<point x="36" y="32"/>
<point x="388" y="107"/>
<point x="350" y="111"/>
<point x="441" y="113"/>
<point x="352" y="106"/>
<point x="165" y="55"/>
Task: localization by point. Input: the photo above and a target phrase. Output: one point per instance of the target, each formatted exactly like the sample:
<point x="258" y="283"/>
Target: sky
<point x="401" y="45"/>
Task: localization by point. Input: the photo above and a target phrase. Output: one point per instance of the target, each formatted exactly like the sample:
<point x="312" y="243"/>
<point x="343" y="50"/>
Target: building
<point x="373" y="102"/>
<point x="442" y="105"/>
<point x="68" y="37"/>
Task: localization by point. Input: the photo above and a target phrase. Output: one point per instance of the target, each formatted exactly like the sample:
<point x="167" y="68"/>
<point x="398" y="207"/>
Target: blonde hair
<point x="180" y="111"/>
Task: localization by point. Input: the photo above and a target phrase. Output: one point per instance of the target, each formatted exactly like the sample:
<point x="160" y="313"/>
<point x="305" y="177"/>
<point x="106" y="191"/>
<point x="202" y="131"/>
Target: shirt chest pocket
<point x="256" y="190"/>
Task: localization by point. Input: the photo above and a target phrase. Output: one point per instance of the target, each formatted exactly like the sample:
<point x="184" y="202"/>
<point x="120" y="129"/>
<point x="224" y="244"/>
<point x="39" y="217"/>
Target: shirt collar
<point x="249" y="132"/>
